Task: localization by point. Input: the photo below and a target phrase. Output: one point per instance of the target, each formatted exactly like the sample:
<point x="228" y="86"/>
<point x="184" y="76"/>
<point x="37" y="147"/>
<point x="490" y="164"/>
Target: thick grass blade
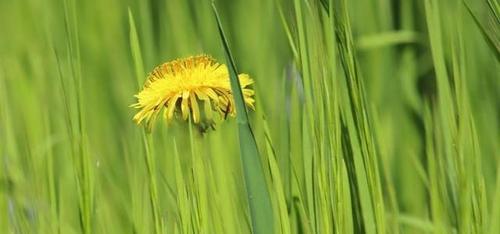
<point x="261" y="212"/>
<point x="491" y="32"/>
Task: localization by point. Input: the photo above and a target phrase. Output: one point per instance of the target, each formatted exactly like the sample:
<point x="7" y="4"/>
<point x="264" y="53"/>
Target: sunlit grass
<point x="370" y="117"/>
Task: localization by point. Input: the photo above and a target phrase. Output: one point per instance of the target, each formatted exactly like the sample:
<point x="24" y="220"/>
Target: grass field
<point x="371" y="116"/>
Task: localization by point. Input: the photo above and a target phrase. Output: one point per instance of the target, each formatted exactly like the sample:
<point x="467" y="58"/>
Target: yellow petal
<point x="169" y="113"/>
<point x="195" y="109"/>
<point x="185" y="105"/>
<point x="208" y="109"/>
<point x="245" y="80"/>
<point x="248" y="92"/>
<point x="211" y="93"/>
<point x="201" y="94"/>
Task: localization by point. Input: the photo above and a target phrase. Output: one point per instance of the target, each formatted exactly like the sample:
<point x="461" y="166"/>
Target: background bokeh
<point x="67" y="78"/>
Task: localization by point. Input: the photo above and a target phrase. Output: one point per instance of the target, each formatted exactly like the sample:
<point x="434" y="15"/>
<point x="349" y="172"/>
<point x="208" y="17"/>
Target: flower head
<point x="196" y="86"/>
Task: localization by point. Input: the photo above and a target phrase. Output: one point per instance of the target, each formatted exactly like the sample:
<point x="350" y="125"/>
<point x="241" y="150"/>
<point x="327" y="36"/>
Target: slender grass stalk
<point x="495" y="226"/>
<point x="182" y="196"/>
<point x="146" y="138"/>
<point x="308" y="130"/>
<point x="441" y="154"/>
<point x="83" y="164"/>
<point x="4" y="148"/>
<point x="359" y="132"/>
<point x="284" y="219"/>
<point x="371" y="117"/>
<point x="51" y="184"/>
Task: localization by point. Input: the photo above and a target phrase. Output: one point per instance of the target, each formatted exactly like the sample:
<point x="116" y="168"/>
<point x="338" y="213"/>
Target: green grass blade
<point x="82" y="160"/>
<point x="361" y="146"/>
<point x="491" y="33"/>
<point x="258" y="196"/>
<point x="136" y="50"/>
<point x="146" y="138"/>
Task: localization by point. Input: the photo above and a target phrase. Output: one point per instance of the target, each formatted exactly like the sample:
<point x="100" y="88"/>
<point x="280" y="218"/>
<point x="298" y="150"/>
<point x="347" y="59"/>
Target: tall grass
<point x="261" y="214"/>
<point x="371" y="117"/>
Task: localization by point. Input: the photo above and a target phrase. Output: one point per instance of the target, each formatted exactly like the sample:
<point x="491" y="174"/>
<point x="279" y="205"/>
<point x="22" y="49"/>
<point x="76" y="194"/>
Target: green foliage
<point x="371" y="117"/>
<point x="258" y="197"/>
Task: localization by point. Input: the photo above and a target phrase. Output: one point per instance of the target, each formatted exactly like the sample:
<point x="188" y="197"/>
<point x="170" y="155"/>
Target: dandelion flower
<point x="195" y="86"/>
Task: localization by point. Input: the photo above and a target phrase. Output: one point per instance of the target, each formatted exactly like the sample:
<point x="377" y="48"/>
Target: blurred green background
<point x="73" y="161"/>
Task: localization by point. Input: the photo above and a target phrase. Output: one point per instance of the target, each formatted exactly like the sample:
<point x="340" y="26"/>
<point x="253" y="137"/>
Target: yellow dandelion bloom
<point x="186" y="85"/>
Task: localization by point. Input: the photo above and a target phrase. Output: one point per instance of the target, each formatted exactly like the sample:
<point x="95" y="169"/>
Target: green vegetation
<point x="371" y="117"/>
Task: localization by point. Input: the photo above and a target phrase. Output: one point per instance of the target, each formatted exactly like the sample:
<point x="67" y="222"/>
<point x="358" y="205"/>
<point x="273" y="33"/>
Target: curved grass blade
<point x="82" y="160"/>
<point x="490" y="32"/>
<point x="146" y="138"/>
<point x="261" y="212"/>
